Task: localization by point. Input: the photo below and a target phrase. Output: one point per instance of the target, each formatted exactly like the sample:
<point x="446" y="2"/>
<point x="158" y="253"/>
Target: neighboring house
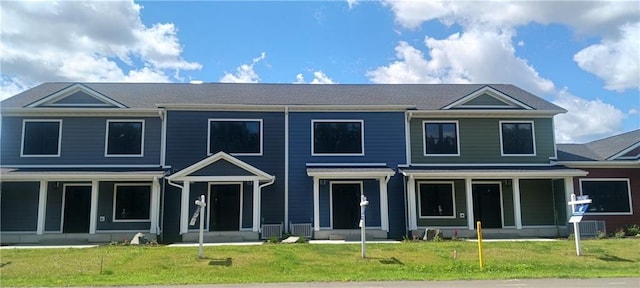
<point x="101" y="161"/>
<point x="613" y="182"/>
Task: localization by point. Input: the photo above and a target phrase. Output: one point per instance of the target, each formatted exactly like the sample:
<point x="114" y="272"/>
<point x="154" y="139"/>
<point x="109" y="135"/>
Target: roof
<point x="609" y="148"/>
<point x="492" y="172"/>
<point x="152" y="95"/>
<point x="78" y="174"/>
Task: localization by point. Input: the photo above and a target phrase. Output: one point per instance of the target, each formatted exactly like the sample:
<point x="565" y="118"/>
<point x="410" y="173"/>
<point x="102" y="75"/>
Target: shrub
<point x="601" y="235"/>
<point x="632" y="230"/>
<point x="620" y="233"/>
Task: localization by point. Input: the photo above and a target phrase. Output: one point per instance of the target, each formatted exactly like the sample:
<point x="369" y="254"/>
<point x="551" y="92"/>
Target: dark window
<point x="441" y="138"/>
<point x="337" y="137"/>
<point x="517" y="138"/>
<point x="608" y="196"/>
<point x="124" y="138"/>
<point x="132" y="202"/>
<point x="235" y="136"/>
<point x="41" y="138"/>
<point x="436" y="200"/>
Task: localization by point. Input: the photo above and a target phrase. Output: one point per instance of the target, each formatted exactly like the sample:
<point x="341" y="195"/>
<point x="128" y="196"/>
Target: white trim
<point x="163" y="137"/>
<point x="485" y="113"/>
<point x="183" y="175"/>
<point x="479" y="174"/>
<point x="155" y="206"/>
<point x="72" y="89"/>
<point x="424" y="136"/>
<point x="533" y="137"/>
<point x="184" y="207"/>
<point x="93" y="211"/>
<point x="481" y="165"/>
<point x="78" y="112"/>
<point x="568" y="190"/>
<point x="502" y="97"/>
<point x="209" y="152"/>
<point x="599" y="164"/>
<point x="384" y="203"/>
<point x="83" y="166"/>
<point x="316" y="204"/>
<point x="407" y="138"/>
<point x="24" y="128"/>
<point x="106" y="137"/>
<point x="115" y="192"/>
<point x="80" y="176"/>
<point x="453" y="199"/>
<point x="311" y="165"/>
<point x="256" y="207"/>
<point x="581" y="180"/>
<point x="361" y="185"/>
<point x="411" y="195"/>
<point x="620" y="154"/>
<point x="517" y="208"/>
<point x="341" y="174"/>
<point x="42" y="207"/>
<point x="279" y="108"/>
<point x="286" y="169"/>
<point x="361" y="121"/>
<point x="63" y="205"/>
<point x="468" y="186"/>
<point x="499" y="183"/>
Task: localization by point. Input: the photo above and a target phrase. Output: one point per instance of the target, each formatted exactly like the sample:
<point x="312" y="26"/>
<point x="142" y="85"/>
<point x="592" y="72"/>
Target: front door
<point x="224" y="210"/>
<point x="346" y="205"/>
<point x="486" y="205"/>
<point x="77" y="207"/>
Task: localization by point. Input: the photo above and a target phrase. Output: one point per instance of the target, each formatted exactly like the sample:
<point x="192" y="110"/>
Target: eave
<point x="80" y="112"/>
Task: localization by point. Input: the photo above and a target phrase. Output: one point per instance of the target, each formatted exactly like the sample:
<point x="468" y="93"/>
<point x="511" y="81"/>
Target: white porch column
<point x="42" y="207"/>
<point x="184" y="208"/>
<point x="469" y="191"/>
<point x="568" y="190"/>
<point x="413" y="216"/>
<point x="517" y="211"/>
<point x="93" y="220"/>
<point x="256" y="206"/>
<point x="384" y="206"/>
<point x="316" y="204"/>
<point x="155" y="206"/>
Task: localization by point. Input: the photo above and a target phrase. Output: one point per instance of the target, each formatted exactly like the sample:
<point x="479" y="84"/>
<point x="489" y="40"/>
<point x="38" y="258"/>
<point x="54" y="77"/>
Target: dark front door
<point x="486" y="205"/>
<point x="224" y="213"/>
<point x="346" y="205"/>
<point x="77" y="207"/>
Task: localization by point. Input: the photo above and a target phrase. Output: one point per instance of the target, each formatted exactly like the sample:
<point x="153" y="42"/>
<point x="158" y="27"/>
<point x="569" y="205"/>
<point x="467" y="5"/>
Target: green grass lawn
<point x="132" y="265"/>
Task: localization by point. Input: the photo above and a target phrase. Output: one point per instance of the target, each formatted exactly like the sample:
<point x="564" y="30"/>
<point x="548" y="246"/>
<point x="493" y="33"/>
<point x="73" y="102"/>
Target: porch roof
<point x="457" y="172"/>
<point x="350" y="172"/>
<point x="24" y="174"/>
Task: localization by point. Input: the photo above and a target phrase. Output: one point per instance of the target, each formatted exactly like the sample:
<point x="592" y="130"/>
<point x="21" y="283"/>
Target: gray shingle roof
<point x="148" y="95"/>
<point x="598" y="150"/>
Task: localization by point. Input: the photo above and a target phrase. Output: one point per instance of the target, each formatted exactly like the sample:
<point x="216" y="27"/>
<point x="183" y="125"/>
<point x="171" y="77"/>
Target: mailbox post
<point x="363" y="231"/>
<point x="201" y="204"/>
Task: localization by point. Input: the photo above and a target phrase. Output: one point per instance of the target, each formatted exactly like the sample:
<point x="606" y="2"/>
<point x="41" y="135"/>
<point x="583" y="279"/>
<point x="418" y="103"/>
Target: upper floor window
<point x="125" y="138"/>
<point x="441" y="138"/>
<point x="132" y="202"/>
<point x="436" y="199"/>
<point x="517" y="138"/>
<point x="235" y="136"/>
<point x="338" y="137"/>
<point x="608" y="196"/>
<point x="41" y="138"/>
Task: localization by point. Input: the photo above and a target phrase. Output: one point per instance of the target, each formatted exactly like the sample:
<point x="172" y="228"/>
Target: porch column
<point x="184" y="208"/>
<point x="93" y="220"/>
<point x="568" y="190"/>
<point x="411" y="191"/>
<point x="155" y="205"/>
<point x="384" y="206"/>
<point x="316" y="204"/>
<point x="469" y="191"/>
<point x="256" y="206"/>
<point x="517" y="211"/>
<point x="42" y="207"/>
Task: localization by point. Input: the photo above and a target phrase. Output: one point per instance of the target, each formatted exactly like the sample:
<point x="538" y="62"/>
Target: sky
<point x="582" y="56"/>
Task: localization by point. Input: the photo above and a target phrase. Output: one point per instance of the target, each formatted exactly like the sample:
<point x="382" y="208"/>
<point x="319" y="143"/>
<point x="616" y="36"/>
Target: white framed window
<point x="436" y="199"/>
<point x="337" y="137"/>
<point x="132" y="202"/>
<point x="517" y="138"/>
<point x="441" y="138"/>
<point x="41" y="138"/>
<point x="235" y="136"/>
<point x="124" y="138"/>
<point x="610" y="196"/>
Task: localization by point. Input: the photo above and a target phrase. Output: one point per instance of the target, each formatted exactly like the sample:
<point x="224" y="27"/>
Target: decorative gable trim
<point x="186" y="173"/>
<point x="499" y="101"/>
<point x="626" y="153"/>
<point x="56" y="99"/>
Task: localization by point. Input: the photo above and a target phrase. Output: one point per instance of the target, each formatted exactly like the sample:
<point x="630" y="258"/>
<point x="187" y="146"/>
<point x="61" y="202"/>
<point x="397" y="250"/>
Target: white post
<point x="363" y="230"/>
<point x="577" y="216"/>
<point x="93" y="221"/>
<point x="42" y="207"/>
<point x="316" y="204"/>
<point x="576" y="226"/>
<point x="468" y="184"/>
<point x="202" y="204"/>
<point x="517" y="208"/>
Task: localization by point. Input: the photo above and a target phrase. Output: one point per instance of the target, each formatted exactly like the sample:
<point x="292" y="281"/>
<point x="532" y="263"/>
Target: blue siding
<point x="384" y="141"/>
<point x="19" y="206"/>
<point x="83" y="143"/>
<point x="221" y="168"/>
<point x="53" y="216"/>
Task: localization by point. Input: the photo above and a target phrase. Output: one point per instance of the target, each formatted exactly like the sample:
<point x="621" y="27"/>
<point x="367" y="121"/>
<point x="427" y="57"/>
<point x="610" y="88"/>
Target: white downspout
<point x="286" y="169"/>
<point x="257" y="206"/>
<point x="163" y="137"/>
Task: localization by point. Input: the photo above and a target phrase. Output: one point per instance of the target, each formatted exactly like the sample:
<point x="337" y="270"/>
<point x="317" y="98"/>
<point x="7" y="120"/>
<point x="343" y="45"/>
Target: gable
<point x="76" y="95"/>
<point x="487" y="98"/>
<point x="221" y="168"/>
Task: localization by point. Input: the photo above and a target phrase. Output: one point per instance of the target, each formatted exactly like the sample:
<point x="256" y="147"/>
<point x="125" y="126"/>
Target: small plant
<point x="601" y="235"/>
<point x="273" y="240"/>
<point x="301" y="240"/>
<point x="620" y="233"/>
<point x="437" y="238"/>
<point x="571" y="237"/>
<point x="632" y="230"/>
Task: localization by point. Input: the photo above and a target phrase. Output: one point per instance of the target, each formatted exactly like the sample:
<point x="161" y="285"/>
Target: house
<point x="100" y="161"/>
<point x="613" y="181"/>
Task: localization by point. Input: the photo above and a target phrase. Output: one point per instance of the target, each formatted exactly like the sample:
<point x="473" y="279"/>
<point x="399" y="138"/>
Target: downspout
<point x="404" y="197"/>
<point x="273" y="179"/>
<point x="286" y="169"/>
<point x="407" y="140"/>
<point x="163" y="136"/>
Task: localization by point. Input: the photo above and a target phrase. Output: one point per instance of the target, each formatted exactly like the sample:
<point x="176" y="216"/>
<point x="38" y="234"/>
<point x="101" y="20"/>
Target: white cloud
<point x="318" y="78"/>
<point x="244" y="73"/>
<point x="617" y="62"/>
<point x="586" y="120"/>
<point x="85" y="41"/>
<point x="352" y="3"/>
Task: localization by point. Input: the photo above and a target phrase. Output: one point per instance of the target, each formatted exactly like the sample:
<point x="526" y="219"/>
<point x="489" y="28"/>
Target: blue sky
<point x="583" y="56"/>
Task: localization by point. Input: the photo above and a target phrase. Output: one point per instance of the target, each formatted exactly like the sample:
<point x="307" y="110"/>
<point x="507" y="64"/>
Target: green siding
<point x="507" y="204"/>
<point x="486" y="100"/>
<point x="537" y="202"/>
<point x="480" y="142"/>
<point x="461" y="206"/>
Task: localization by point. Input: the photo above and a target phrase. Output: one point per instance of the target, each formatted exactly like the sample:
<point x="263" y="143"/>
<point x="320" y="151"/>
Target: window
<point x="235" y="136"/>
<point x="132" y="202"/>
<point x="517" y="138"/>
<point x="124" y="138"/>
<point x="341" y="137"/>
<point x="609" y="196"/>
<point x="41" y="138"/>
<point x="441" y="138"/>
<point x="436" y="199"/>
